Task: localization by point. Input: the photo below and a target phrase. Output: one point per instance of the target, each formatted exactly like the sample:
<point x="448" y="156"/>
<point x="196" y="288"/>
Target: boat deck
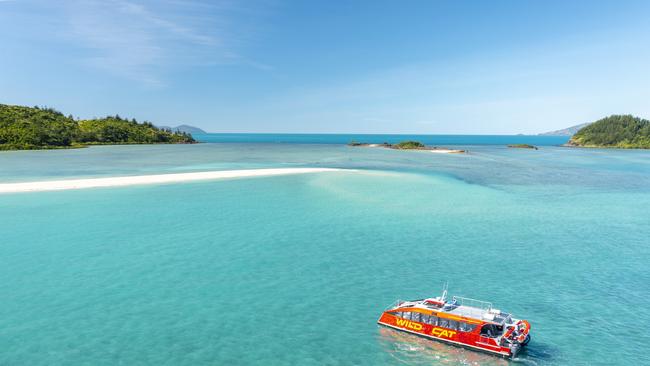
<point x="467" y="311"/>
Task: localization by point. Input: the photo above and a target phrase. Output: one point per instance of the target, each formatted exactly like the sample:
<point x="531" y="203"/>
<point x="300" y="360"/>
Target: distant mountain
<point x="184" y="128"/>
<point x="569" y="131"/>
<point x="620" y="131"/>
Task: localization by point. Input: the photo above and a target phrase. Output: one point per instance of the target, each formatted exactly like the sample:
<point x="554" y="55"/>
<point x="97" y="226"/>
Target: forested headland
<point x="30" y="128"/>
<point x="618" y="131"/>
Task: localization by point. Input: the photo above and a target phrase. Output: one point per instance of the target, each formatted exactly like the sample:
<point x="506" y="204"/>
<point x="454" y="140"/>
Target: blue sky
<point x="447" y="67"/>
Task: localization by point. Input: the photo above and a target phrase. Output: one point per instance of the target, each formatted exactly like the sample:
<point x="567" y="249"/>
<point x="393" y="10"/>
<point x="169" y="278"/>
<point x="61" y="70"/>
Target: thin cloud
<point x="178" y="30"/>
<point x="140" y="43"/>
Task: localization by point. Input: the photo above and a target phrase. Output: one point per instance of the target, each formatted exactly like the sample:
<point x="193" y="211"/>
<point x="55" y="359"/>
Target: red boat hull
<point x="471" y="339"/>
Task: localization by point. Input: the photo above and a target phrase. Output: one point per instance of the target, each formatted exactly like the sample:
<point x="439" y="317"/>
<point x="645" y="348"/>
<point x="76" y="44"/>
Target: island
<point x="616" y="131"/>
<point x="364" y="144"/>
<point x="408" y="145"/>
<point x="523" y="146"/>
<point x="33" y="128"/>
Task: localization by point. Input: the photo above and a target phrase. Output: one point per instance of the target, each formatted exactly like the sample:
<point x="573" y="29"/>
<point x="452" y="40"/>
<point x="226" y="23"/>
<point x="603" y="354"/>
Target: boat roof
<point x="462" y="307"/>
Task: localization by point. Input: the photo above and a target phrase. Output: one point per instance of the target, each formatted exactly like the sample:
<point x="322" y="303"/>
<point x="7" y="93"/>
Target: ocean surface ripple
<point x="295" y="270"/>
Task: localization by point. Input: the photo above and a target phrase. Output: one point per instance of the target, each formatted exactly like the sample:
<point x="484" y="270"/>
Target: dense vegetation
<point x="23" y="128"/>
<point x="523" y="146"/>
<point x="33" y="128"/>
<point x="115" y="130"/>
<point x="409" y="145"/>
<point x="622" y="131"/>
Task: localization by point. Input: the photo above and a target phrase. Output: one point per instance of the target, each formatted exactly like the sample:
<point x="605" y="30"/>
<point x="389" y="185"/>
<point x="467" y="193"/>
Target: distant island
<point x="184" y="128"/>
<point x="569" y="131"/>
<point x="32" y="128"/>
<point x="617" y="131"/>
<point x="407" y="145"/>
<point x="523" y="146"/>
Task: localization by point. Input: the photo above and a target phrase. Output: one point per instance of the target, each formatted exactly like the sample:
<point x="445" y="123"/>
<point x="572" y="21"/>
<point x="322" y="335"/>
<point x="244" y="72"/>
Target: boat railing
<point x="473" y="303"/>
<point x="395" y="304"/>
<point x="398" y="303"/>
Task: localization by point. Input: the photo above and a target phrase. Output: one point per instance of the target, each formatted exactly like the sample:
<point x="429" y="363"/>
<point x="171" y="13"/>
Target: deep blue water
<point x="295" y="270"/>
<point x="370" y="138"/>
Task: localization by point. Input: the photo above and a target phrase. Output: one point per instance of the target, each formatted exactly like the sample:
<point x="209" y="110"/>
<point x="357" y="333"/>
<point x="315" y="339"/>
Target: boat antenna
<point x="443" y="298"/>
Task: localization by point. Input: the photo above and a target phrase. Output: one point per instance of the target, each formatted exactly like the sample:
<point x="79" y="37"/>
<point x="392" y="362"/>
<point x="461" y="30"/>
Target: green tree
<point x="42" y="128"/>
<point x="622" y="131"/>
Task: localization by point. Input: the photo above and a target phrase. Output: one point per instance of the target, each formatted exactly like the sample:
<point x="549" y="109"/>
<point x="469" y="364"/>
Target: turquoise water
<point x="372" y="138"/>
<point x="295" y="270"/>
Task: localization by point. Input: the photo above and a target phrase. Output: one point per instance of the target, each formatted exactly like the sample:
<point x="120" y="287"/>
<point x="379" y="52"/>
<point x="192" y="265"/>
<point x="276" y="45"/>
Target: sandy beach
<point x="57" y="185"/>
<point x="446" y="151"/>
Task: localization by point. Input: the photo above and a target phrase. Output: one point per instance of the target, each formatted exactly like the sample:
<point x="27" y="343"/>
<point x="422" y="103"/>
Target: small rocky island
<point x="523" y="146"/>
<point x="408" y="145"/>
<point x="616" y="131"/>
<point x="34" y="128"/>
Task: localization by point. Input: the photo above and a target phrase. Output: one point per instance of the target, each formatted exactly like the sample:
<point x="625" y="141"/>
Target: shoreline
<point x="83" y="183"/>
<point x="86" y="145"/>
<point x="445" y="151"/>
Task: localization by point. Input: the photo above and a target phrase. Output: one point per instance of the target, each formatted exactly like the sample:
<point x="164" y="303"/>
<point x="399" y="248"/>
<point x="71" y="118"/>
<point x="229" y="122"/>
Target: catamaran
<point x="460" y="321"/>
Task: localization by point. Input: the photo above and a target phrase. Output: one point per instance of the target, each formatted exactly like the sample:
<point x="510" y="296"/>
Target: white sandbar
<point x="56" y="185"/>
<point x="446" y="151"/>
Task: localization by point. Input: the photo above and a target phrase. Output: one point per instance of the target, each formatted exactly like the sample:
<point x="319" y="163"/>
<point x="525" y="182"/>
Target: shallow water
<point x="297" y="269"/>
<point x="320" y="138"/>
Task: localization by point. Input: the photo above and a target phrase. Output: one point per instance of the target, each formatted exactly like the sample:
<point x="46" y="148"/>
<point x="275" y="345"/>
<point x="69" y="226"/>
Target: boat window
<point x="415" y="317"/>
<point x="466" y="327"/>
<point x="490" y="330"/>
<point x="442" y="322"/>
<point x="453" y="324"/>
<point x="424" y="318"/>
<point x="433" y="320"/>
<point x="407" y="315"/>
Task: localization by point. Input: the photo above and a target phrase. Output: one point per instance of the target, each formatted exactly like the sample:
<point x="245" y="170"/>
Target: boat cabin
<point x="462" y="321"/>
